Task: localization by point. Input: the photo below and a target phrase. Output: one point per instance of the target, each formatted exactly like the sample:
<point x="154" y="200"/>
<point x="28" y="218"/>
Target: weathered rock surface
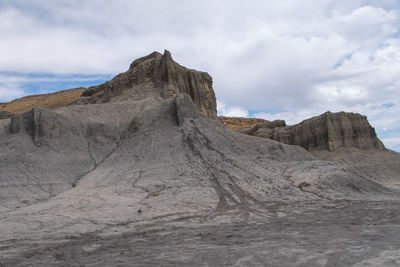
<point x="42" y="153"/>
<point x="237" y="123"/>
<point x="148" y="154"/>
<point x="345" y="138"/>
<point x="376" y="165"/>
<point x="5" y="115"/>
<point x="300" y="234"/>
<point x="159" y="157"/>
<point x="329" y="131"/>
<point x="158" y="76"/>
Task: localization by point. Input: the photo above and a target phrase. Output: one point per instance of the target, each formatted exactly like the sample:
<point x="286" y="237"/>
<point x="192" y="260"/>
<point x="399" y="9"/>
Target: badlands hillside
<point x="66" y="97"/>
<point x="140" y="171"/>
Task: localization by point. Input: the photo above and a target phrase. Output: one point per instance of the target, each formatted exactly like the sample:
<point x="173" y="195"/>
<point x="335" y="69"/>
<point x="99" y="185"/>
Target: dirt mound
<point x="236" y="123"/>
<point x="49" y="101"/>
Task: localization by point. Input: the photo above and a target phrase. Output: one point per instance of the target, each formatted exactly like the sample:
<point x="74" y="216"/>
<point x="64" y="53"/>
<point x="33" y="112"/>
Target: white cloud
<point x="15" y="85"/>
<point x="227" y="111"/>
<point x="10" y="92"/>
<point x="393" y="143"/>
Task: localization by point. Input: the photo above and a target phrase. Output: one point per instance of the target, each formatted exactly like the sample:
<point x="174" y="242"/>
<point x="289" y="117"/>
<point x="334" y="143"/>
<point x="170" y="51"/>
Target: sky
<point x="286" y="59"/>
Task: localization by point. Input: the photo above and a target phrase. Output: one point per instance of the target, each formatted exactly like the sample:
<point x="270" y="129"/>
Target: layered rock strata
<point x="159" y="76"/>
<point x="5" y="115"/>
<point x="145" y="156"/>
<point x="329" y="131"/>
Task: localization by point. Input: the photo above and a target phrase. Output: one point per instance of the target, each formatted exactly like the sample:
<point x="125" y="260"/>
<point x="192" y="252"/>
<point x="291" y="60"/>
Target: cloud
<point x="286" y="58"/>
<point x="10" y="92"/>
<point x="224" y="110"/>
<point x="392" y="141"/>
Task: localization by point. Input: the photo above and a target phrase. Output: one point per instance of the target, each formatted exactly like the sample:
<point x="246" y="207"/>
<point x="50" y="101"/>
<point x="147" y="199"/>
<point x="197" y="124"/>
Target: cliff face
<point x="4" y="114"/>
<point x="157" y="76"/>
<point x="154" y="75"/>
<point x="328" y="131"/>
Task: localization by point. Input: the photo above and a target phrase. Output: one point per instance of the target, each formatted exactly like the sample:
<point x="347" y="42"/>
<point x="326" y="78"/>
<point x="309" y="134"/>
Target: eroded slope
<point x="134" y="156"/>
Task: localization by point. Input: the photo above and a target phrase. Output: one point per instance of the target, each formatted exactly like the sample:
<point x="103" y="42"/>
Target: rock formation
<point x="159" y="76"/>
<point x="344" y="138"/>
<point x="4" y="114"/>
<point x="236" y="123"/>
<point x="145" y="150"/>
<point x="328" y="131"/>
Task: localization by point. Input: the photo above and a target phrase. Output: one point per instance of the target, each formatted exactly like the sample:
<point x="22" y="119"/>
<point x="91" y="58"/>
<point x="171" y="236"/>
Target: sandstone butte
<point x="140" y="170"/>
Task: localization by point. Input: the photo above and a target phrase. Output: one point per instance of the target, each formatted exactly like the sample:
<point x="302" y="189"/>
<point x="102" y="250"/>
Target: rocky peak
<point x="328" y="131"/>
<point x="159" y="76"/>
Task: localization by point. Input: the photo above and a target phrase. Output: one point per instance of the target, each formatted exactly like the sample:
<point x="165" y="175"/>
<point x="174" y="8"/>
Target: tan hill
<point x="237" y="123"/>
<point x="49" y="101"/>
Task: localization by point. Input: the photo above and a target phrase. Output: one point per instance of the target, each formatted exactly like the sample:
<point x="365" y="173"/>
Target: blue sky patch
<point x="388" y="105"/>
<point x="40" y="83"/>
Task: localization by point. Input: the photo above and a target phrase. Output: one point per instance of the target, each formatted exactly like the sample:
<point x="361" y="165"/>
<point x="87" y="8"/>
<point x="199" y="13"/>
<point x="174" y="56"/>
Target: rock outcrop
<point x="4" y="115"/>
<point x="159" y="76"/>
<point x="328" y="131"/>
<point x="149" y="153"/>
<point x="237" y="123"/>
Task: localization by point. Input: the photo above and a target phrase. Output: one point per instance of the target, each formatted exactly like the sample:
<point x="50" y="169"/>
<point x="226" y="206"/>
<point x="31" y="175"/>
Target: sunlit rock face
<point x="158" y="76"/>
<point x="329" y="131"/>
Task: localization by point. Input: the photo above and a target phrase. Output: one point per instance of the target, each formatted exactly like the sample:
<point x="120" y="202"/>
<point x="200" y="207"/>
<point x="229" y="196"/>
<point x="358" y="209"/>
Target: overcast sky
<point x="286" y="59"/>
